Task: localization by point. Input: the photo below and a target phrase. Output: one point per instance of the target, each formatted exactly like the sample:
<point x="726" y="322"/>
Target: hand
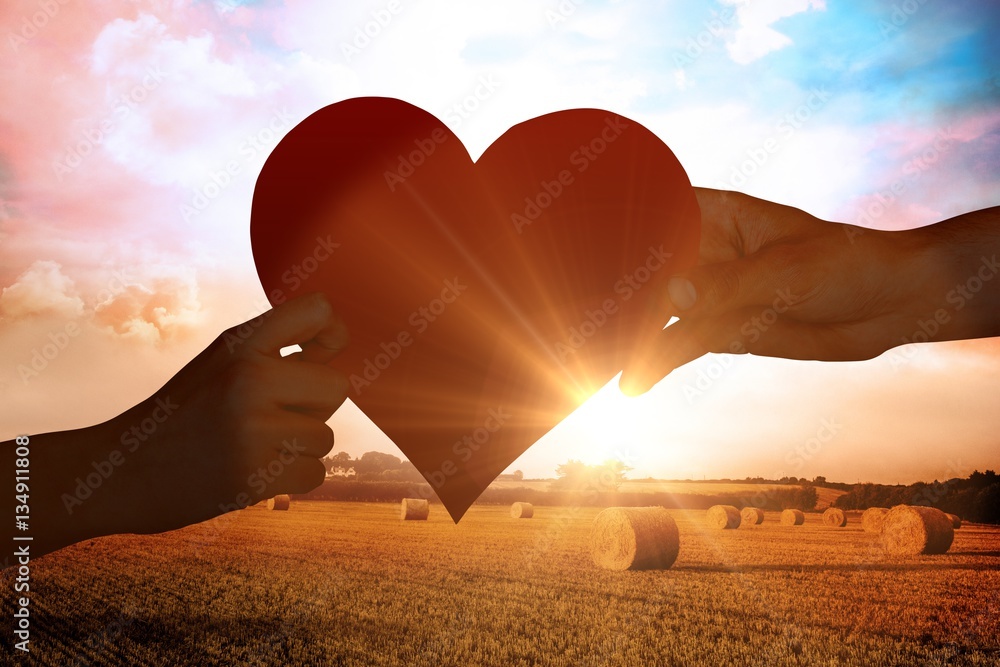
<point x="237" y="424"/>
<point x="775" y="281"/>
<point x="247" y="423"/>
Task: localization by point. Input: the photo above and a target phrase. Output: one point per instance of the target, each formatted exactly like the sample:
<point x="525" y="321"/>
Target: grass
<point x="349" y="584"/>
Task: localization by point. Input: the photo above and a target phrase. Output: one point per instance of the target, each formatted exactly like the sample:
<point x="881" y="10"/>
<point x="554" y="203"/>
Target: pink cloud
<point x="41" y="290"/>
<point x="914" y="171"/>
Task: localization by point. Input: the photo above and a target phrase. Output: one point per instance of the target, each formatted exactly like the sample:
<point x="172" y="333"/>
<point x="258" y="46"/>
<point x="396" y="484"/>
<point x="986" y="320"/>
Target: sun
<point x="610" y="425"/>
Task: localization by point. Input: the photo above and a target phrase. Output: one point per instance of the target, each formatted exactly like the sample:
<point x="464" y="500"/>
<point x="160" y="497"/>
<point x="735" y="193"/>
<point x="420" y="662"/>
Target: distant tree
<point x="373" y="464"/>
<point x="518" y="475"/>
<point x="571" y="475"/>
<point x="819" y="480"/>
<point x="987" y="504"/>
<point x="340" y="461"/>
<point x="981" y="480"/>
<point x="406" y="472"/>
<point x="807" y="498"/>
<point x="611" y="474"/>
<point x="576" y="475"/>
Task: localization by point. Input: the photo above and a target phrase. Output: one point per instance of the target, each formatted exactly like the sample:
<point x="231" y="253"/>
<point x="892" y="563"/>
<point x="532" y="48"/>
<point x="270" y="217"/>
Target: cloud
<point x="168" y="308"/>
<point x="41" y="290"/>
<point x="755" y="38"/>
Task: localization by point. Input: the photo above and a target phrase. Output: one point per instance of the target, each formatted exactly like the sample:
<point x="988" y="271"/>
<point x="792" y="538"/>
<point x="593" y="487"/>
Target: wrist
<point x="961" y="258"/>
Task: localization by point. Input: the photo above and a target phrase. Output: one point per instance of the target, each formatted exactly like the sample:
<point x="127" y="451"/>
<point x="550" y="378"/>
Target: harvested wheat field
<point x="350" y="584"/>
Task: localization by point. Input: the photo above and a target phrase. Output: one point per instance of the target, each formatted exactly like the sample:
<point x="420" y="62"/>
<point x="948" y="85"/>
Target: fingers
<point x="734" y="333"/>
<point x="312" y="388"/>
<point x="678" y="344"/>
<point x="284" y="453"/>
<point x="302" y="477"/>
<point x="298" y="435"/>
<point x="709" y="290"/>
<point x="308" y="321"/>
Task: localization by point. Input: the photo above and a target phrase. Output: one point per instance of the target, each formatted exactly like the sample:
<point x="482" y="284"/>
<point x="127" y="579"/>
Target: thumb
<point x="712" y="289"/>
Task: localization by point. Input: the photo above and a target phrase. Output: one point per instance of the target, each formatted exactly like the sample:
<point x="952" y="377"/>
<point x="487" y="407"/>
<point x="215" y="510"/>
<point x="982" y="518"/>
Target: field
<point x="825" y="496"/>
<point x="349" y="584"/>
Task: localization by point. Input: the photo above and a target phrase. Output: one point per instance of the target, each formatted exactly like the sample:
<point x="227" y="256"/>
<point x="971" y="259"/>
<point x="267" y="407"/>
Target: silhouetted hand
<point x="248" y="424"/>
<point x="776" y="281"/>
<point x="237" y="424"/>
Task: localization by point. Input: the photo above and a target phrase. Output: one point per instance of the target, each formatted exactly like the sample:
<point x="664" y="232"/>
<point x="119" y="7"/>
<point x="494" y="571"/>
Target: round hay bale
<point x="634" y="538"/>
<point x="281" y="502"/>
<point x="522" y="510"/>
<point x="910" y="531"/>
<point x="414" y="509"/>
<point x="723" y="517"/>
<point x="835" y="518"/>
<point x="956" y="521"/>
<point x="751" y="516"/>
<point x="871" y="520"/>
<point x="793" y="517"/>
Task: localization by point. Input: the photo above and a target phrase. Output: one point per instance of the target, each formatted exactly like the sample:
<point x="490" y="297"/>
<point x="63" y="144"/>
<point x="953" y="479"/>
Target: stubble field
<point x="349" y="584"/>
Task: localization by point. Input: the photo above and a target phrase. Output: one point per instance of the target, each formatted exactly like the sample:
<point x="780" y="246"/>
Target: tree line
<point x="976" y="498"/>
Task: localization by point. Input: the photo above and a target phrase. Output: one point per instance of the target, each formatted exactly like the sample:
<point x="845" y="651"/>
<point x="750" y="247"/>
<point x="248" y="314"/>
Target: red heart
<point x="485" y="300"/>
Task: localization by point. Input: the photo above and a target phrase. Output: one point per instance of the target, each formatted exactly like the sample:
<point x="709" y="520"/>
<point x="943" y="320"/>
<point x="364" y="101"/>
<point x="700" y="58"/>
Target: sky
<point x="124" y="245"/>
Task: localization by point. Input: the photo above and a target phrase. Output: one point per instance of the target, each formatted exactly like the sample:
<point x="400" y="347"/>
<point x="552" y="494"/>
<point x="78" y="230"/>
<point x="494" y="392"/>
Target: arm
<point x="236" y="425"/>
<point x="776" y="281"/>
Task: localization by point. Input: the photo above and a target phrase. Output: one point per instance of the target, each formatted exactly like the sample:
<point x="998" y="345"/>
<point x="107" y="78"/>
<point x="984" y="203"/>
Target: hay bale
<point x="279" y="502"/>
<point x="956" y="521"/>
<point x="522" y="510"/>
<point x="634" y="538"/>
<point x="835" y="518"/>
<point x="793" y="517"/>
<point x="871" y="520"/>
<point x="909" y="531"/>
<point x="751" y="516"/>
<point x="723" y="517"/>
<point x="414" y="509"/>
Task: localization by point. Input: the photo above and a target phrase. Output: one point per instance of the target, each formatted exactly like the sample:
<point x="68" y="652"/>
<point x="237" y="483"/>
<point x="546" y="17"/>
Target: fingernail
<point x="682" y="293"/>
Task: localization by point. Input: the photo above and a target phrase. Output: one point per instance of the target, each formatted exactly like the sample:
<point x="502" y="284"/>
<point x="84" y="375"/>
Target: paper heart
<point x="486" y="300"/>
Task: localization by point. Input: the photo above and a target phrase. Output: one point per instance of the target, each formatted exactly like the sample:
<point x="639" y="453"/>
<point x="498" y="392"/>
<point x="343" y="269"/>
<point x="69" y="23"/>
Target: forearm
<point x="62" y="505"/>
<point x="963" y="258"/>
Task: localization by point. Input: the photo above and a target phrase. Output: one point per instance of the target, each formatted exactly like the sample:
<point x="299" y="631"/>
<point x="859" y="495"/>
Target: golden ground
<point x="349" y="584"/>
